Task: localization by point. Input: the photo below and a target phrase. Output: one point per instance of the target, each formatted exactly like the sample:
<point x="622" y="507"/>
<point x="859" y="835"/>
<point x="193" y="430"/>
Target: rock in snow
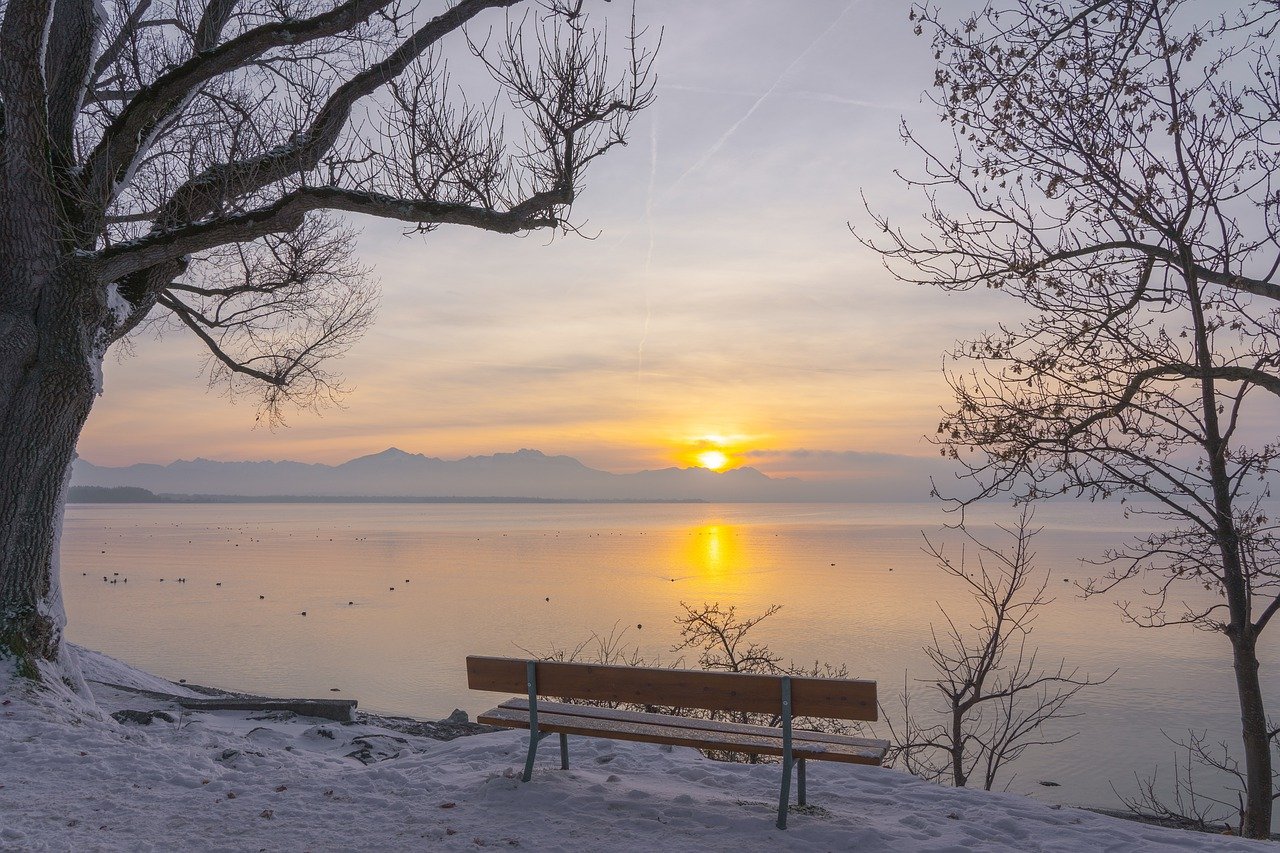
<point x="73" y="778"/>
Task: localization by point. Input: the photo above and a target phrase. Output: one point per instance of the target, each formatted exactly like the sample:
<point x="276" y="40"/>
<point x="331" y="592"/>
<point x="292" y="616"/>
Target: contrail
<point x="648" y="257"/>
<point x="653" y="179"/>
<point x="719" y="143"/>
<point x="802" y="94"/>
<point x="651" y="200"/>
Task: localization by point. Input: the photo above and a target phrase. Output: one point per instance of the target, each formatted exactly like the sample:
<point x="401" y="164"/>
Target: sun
<point x="712" y="459"/>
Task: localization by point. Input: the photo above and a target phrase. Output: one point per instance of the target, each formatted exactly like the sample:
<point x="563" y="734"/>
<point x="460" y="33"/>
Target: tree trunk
<point x="49" y="388"/>
<point x="1257" y="746"/>
<point x="958" y="776"/>
<point x="1256" y="820"/>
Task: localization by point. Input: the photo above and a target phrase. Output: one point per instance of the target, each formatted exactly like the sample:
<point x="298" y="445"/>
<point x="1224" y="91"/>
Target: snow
<point x="100" y="19"/>
<point x="116" y="303"/>
<point x="65" y="672"/>
<point x="75" y="779"/>
<point x="118" y="310"/>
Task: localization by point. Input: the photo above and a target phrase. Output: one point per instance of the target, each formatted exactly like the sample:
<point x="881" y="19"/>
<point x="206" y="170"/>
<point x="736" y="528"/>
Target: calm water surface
<point x="497" y="579"/>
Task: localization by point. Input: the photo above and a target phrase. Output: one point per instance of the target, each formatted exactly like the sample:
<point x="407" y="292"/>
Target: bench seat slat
<point x="675" y="735"/>
<point x="726" y="726"/>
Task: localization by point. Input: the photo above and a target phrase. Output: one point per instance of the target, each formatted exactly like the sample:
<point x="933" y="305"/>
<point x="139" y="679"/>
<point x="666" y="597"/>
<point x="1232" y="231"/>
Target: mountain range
<point x="523" y="474"/>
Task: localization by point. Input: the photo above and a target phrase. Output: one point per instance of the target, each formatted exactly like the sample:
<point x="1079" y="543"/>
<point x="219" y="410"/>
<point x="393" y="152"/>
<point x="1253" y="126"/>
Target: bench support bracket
<point x="535" y="736"/>
<point x="531" y="679"/>
<point x="784" y="799"/>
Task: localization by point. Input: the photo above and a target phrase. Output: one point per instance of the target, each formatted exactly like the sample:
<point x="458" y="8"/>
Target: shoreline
<point x="458" y="724"/>
<point x="76" y="776"/>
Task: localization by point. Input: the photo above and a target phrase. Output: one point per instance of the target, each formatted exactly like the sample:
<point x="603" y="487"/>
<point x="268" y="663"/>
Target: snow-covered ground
<point x="72" y="778"/>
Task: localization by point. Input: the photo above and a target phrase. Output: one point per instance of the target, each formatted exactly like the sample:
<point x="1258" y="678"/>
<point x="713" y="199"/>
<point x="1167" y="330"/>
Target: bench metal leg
<point x="534" y="737"/>
<point x="531" y="678"/>
<point x="784" y="798"/>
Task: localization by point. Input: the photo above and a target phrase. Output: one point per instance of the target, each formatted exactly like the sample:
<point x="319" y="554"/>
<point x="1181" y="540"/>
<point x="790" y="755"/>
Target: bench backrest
<point x="838" y="698"/>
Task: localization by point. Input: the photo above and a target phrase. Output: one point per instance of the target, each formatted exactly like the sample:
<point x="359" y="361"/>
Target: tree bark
<point x="50" y="386"/>
<point x="958" y="776"/>
<point x="1253" y="731"/>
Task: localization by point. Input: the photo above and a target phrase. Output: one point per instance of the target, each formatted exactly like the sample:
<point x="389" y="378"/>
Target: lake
<point x="854" y="586"/>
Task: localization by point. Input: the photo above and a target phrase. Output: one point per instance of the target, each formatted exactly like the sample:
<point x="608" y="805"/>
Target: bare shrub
<point x="719" y="636"/>
<point x="994" y="698"/>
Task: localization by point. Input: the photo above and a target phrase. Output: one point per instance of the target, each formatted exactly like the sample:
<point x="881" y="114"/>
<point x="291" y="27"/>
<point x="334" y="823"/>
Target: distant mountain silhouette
<point x="523" y="474"/>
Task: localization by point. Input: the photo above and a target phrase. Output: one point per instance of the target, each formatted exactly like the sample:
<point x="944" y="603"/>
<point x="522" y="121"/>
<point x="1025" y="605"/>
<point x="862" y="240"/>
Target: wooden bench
<point x="783" y="696"/>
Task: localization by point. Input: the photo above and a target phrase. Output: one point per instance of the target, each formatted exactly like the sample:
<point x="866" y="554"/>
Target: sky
<point x="724" y="302"/>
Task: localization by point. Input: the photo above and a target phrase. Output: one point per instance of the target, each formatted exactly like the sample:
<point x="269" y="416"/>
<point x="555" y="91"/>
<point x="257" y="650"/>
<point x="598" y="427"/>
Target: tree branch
<point x="191" y="321"/>
<point x="73" y="33"/>
<point x="208" y="191"/>
<point x="123" y="259"/>
<point x="128" y="133"/>
<point x="1230" y="373"/>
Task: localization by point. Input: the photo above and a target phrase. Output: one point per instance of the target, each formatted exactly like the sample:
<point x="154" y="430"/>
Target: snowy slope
<point x="71" y="779"/>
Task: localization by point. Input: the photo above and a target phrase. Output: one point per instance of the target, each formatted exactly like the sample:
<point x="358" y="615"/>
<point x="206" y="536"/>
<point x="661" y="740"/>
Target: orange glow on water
<point x="714" y="550"/>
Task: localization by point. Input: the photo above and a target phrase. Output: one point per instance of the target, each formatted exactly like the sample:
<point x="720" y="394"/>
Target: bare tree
<point x="1113" y="172"/>
<point x="612" y="649"/>
<point x="181" y="161"/>
<point x="996" y="700"/>
<point x="719" y="636"/>
<point x="1183" y="802"/>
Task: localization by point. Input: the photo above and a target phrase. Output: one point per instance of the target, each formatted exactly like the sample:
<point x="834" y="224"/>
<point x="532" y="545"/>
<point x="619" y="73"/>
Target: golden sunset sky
<point x="724" y="304"/>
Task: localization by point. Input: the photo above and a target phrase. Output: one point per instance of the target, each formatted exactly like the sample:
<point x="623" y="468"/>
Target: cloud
<point x="842" y="460"/>
<point x="757" y="313"/>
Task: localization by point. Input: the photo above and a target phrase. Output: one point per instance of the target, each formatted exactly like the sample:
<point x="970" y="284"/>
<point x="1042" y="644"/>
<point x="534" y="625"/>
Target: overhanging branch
<point x="188" y="319"/>
<point x="127" y="134"/>
<point x="1229" y="373"/>
<point x="207" y="191"/>
<point x="286" y="214"/>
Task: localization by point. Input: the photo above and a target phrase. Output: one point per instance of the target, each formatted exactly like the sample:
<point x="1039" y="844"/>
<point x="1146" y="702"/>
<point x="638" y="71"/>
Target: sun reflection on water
<point x="715" y="551"/>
